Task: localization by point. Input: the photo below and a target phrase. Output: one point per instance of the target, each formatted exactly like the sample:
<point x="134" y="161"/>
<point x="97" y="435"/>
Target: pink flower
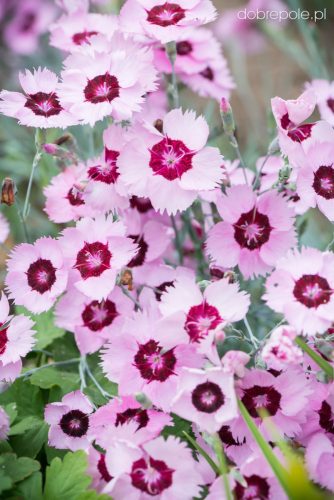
<point x="201" y="316"/>
<point x="315" y="181"/>
<point x="235" y="362"/>
<point x="4" y="424"/>
<point x="255" y="232"/>
<point x="4" y="228"/>
<point x="295" y="137"/>
<point x="140" y="424"/>
<point x="319" y="459"/>
<point x="65" y="199"/>
<point x="165" y="21"/>
<point x="107" y="82"/>
<point x="40" y="105"/>
<point x="170" y="168"/>
<point x="280" y="350"/>
<point x="97" y="469"/>
<point x="147" y="357"/>
<point x="31" y="19"/>
<point x="324" y="91"/>
<point x="162" y="468"/>
<point x="301" y="289"/>
<point x="285" y="398"/>
<point x="321" y="414"/>
<point x="193" y="49"/>
<point x="93" y="322"/>
<point x="76" y="32"/>
<point x="206" y="397"/>
<point x="234" y="175"/>
<point x="16" y="340"/>
<point x="69" y="421"/>
<point x="105" y="190"/>
<point x="95" y="251"/>
<point x="36" y="274"/>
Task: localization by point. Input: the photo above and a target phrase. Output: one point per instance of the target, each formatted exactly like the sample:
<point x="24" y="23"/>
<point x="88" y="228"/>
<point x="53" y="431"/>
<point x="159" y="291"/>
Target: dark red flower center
<point x="102" y="88"/>
<point x="139" y="258"/>
<point x="3" y="338"/>
<point x="171" y="159"/>
<point x="43" y="104"/>
<point x="93" y="259"/>
<point x="312" y="290"/>
<point x="107" y="172"/>
<point x="252" y="229"/>
<point x="296" y="133"/>
<point x="137" y="415"/>
<point x="143" y="205"/>
<point x="257" y="489"/>
<point x="75" y="423"/>
<point x="326" y="417"/>
<point x="151" y="476"/>
<point x="207" y="397"/>
<point x="184" y="48"/>
<point x="227" y="438"/>
<point x="102" y="468"/>
<point x="330" y="104"/>
<point x="159" y="290"/>
<point x="257" y="397"/>
<point x="200" y="319"/>
<point x="208" y="73"/>
<point x="41" y="275"/>
<point x="166" y="14"/>
<point x="28" y="22"/>
<point x="75" y="197"/>
<point x="98" y="315"/>
<point x="323" y="183"/>
<point x="83" y="37"/>
<point x="153" y="363"/>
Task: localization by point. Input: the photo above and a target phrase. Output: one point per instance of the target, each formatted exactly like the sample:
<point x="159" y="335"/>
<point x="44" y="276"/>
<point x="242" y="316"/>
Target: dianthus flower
<point x="40" y="105"/>
<point x="165" y="21"/>
<point x="280" y="350"/>
<point x="319" y="459"/>
<point x="255" y="232"/>
<point x="324" y="91"/>
<point x="37" y="275"/>
<point x="301" y="288"/>
<point x="171" y="167"/>
<point x="95" y="251"/>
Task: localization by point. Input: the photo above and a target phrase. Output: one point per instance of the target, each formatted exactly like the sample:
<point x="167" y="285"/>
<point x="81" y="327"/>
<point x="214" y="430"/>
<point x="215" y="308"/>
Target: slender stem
<point x="279" y="471"/>
<point x="104" y="393"/>
<point x="202" y="452"/>
<point x="178" y="242"/>
<point x="35" y="162"/>
<point x="252" y="337"/>
<point x="55" y="363"/>
<point x="174" y="92"/>
<point x="235" y="144"/>
<point x="82" y="364"/>
<point x="219" y="450"/>
<point x="259" y="172"/>
<point x="321" y="362"/>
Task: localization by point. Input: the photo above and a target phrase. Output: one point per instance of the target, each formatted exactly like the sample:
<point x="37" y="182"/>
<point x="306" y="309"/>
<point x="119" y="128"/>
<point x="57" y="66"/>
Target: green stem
<point x="321" y="362"/>
<point x="252" y="337"/>
<point x="55" y="363"/>
<point x="34" y="165"/>
<point x="235" y="144"/>
<point x="128" y="294"/>
<point x="82" y="364"/>
<point x="174" y="91"/>
<point x="280" y="472"/>
<point x="218" y="447"/>
<point x="104" y="393"/>
<point x="202" y="452"/>
<point x="178" y="242"/>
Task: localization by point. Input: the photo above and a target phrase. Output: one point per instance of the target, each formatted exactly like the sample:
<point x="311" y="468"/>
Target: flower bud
<point x="8" y="191"/>
<point x="159" y="124"/>
<point x="127" y="279"/>
<point x="226" y="114"/>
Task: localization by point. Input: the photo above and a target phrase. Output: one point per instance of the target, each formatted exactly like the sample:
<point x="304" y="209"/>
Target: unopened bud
<point x="231" y="276"/>
<point x="127" y="279"/>
<point x="284" y="174"/>
<point x="273" y="146"/>
<point x="64" y="138"/>
<point x="226" y="114"/>
<point x="8" y="191"/>
<point x="50" y="148"/>
<point x="159" y="124"/>
<point x="58" y="152"/>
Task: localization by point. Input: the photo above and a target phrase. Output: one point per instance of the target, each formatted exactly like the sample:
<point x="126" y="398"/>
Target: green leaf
<point x="18" y="468"/>
<point x="50" y="377"/>
<point x="52" y="453"/>
<point x="46" y="331"/>
<point x="30" y="488"/>
<point x="67" y="479"/>
<point x="93" y="495"/>
<point x="30" y="443"/>
<point x="24" y="425"/>
<point x="5" y="481"/>
<point x="321" y="362"/>
<point x="29" y="401"/>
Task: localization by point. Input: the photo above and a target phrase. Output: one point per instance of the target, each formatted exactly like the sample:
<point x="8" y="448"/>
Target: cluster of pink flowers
<point x="155" y="270"/>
